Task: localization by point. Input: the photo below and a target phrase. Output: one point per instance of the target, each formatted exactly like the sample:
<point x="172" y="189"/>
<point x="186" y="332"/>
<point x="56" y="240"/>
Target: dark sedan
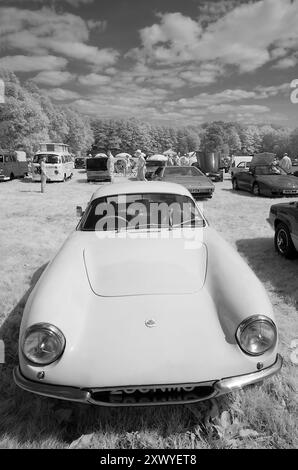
<point x="193" y="179"/>
<point x="284" y="220"/>
<point x="266" y="180"/>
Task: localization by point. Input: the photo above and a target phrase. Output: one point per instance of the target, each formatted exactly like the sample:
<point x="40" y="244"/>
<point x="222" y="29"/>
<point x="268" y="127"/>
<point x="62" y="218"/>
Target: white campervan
<point x="58" y="160"/>
<point x="240" y="163"/>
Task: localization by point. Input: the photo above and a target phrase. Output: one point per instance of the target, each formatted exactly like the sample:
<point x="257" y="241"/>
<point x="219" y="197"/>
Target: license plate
<point x="290" y="191"/>
<point x="194" y="190"/>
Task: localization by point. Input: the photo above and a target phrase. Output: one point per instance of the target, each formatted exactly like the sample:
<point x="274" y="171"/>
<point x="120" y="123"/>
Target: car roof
<point x="134" y="187"/>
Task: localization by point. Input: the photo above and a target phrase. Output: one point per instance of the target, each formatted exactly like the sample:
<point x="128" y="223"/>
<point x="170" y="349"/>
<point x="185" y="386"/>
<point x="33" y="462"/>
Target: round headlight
<point x="256" y="335"/>
<point x="43" y="343"/>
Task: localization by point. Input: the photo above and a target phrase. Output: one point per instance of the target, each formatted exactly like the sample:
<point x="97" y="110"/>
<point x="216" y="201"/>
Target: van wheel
<point x="11" y="176"/>
<point x="283" y="242"/>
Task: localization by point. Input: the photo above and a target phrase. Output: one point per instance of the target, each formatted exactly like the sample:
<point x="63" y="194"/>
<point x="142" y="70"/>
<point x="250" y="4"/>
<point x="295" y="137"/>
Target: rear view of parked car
<point x="189" y="176"/>
<point x="97" y="169"/>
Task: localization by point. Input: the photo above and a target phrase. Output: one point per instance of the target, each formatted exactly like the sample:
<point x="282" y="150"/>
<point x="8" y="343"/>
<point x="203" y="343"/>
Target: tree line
<point x="28" y="116"/>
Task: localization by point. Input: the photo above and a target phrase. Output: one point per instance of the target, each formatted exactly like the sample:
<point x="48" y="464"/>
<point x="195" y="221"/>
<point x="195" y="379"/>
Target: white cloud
<point x="46" y="31"/>
<point x="53" y="77"/>
<point x="22" y="63"/>
<point x="94" y="79"/>
<point x="243" y="108"/>
<point x="73" y="3"/>
<point x="62" y="94"/>
<point x="286" y="63"/>
<point x="242" y="38"/>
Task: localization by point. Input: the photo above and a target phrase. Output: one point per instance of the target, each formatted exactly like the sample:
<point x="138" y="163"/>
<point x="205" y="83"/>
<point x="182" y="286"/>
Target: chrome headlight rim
<point x="256" y="319"/>
<point x="49" y="328"/>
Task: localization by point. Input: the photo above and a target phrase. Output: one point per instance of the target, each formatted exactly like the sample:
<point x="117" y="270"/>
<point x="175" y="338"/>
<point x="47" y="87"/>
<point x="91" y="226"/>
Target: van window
<point x="50" y="158"/>
<point x="241" y="165"/>
<point x="97" y="164"/>
<point x="1" y="158"/>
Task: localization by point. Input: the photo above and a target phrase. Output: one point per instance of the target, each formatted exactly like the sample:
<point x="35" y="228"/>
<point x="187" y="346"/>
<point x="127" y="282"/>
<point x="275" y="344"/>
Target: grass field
<point x="32" y="228"/>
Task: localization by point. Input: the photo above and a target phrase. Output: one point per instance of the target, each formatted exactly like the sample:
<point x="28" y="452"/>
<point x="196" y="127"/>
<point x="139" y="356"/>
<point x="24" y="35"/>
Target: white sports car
<point x="145" y="304"/>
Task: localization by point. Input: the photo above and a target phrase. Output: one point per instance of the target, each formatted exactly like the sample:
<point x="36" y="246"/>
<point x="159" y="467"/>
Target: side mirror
<point x="79" y="211"/>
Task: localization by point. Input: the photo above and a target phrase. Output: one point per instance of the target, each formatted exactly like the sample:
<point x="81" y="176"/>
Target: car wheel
<point x="283" y="242"/>
<point x="11" y="176"/>
<point x="235" y="184"/>
<point x="256" y="189"/>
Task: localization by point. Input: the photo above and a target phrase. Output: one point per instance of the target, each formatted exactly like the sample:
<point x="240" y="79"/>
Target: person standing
<point x="141" y="166"/>
<point x="43" y="174"/>
<point x="184" y="160"/>
<point x="286" y="163"/>
<point x="111" y="165"/>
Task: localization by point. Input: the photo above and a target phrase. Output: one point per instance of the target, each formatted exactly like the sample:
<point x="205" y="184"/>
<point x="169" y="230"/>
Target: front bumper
<point x="114" y="396"/>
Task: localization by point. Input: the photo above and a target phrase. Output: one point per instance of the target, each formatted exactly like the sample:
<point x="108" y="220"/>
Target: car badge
<point x="150" y="323"/>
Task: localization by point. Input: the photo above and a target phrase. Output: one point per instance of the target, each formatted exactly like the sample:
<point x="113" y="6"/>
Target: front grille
<point x="152" y="396"/>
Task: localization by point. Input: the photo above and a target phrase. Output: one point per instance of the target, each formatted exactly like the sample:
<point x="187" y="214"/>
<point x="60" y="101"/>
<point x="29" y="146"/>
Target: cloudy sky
<point x="178" y="61"/>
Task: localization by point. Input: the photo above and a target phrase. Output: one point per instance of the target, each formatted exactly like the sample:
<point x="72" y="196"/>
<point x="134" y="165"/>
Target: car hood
<point x="142" y="266"/>
<point x="282" y="181"/>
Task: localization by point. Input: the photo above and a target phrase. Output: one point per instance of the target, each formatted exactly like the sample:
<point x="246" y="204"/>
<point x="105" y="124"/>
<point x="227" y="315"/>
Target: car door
<point x="247" y="180"/>
<point x="295" y="225"/>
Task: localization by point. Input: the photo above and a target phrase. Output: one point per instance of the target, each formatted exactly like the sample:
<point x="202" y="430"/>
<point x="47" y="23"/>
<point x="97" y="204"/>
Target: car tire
<point x="283" y="242"/>
<point x="256" y="189"/>
<point x="235" y="184"/>
<point x="11" y="176"/>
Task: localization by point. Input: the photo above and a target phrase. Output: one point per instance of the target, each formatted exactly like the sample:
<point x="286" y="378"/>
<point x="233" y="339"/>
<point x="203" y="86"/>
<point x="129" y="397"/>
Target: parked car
<point x="153" y="163"/>
<point x="13" y="164"/>
<point x="145" y="304"/>
<point x="240" y="164"/>
<point x="189" y="176"/>
<point x="80" y="162"/>
<point x="59" y="166"/>
<point x="224" y="164"/>
<point x="266" y="180"/>
<point x="97" y="169"/>
<point x="283" y="218"/>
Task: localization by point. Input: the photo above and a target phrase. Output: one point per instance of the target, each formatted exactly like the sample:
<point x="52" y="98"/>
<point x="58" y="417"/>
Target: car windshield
<point x="97" y="164"/>
<point x="141" y="211"/>
<point x="155" y="163"/>
<point x="50" y="158"/>
<point x="269" y="170"/>
<point x="182" y="171"/>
